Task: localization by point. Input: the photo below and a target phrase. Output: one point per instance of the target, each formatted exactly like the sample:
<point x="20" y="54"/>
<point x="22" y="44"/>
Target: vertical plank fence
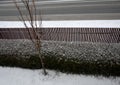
<point x="109" y="35"/>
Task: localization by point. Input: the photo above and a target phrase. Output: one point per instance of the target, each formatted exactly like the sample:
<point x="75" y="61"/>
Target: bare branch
<point x="32" y="20"/>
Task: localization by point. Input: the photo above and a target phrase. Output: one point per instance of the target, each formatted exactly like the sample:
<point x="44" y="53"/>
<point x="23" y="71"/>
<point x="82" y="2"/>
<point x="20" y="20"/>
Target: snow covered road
<point x="66" y="10"/>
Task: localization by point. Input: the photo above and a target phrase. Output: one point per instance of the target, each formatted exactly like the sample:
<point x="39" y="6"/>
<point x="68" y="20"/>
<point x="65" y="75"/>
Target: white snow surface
<point x="63" y="0"/>
<point x="18" y="76"/>
<point x="66" y="23"/>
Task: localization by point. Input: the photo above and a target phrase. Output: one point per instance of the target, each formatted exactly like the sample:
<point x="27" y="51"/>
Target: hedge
<point x="63" y="64"/>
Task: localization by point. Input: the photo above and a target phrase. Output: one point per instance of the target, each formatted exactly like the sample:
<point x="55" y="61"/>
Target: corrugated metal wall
<point x="109" y="35"/>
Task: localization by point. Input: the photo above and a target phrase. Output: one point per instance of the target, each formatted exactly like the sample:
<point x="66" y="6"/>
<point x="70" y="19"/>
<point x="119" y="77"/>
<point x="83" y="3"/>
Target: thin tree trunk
<point x="35" y="36"/>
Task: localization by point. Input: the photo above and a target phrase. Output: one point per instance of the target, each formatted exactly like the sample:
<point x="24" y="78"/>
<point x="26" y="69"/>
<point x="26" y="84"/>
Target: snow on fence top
<point x="70" y="23"/>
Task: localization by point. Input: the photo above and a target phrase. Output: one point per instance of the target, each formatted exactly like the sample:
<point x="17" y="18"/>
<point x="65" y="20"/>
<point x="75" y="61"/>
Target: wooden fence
<point x="109" y="35"/>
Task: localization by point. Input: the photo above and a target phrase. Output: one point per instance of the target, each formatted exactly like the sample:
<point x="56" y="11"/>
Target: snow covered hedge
<point x="74" y="57"/>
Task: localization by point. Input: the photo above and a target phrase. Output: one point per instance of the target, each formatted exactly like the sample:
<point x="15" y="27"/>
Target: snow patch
<point x="17" y="76"/>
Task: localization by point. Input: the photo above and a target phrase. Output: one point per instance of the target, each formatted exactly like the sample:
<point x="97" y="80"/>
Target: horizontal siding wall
<point x="109" y="35"/>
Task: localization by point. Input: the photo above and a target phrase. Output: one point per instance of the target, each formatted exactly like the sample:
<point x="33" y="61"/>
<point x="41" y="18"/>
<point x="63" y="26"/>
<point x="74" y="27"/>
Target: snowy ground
<point x="65" y="23"/>
<point x="18" y="76"/>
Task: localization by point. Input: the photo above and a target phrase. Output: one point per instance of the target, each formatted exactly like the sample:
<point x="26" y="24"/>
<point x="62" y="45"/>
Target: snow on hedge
<point x="80" y="50"/>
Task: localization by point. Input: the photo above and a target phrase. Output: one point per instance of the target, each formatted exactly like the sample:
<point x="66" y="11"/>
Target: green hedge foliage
<point x="63" y="64"/>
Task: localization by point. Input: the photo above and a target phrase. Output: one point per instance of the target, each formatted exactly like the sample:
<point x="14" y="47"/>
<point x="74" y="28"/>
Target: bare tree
<point x="30" y="15"/>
